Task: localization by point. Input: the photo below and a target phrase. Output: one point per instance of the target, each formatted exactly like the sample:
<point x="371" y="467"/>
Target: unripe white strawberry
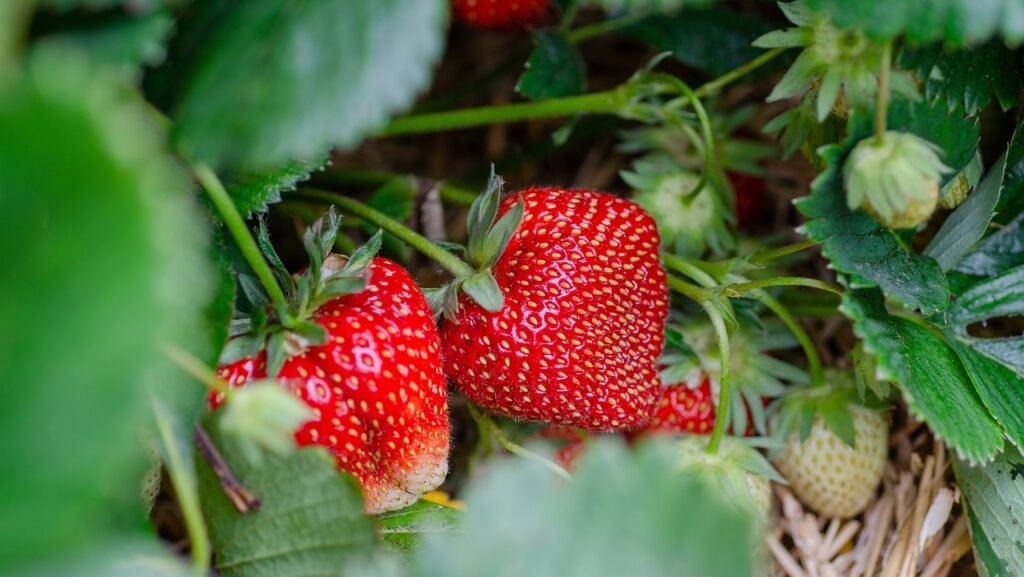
<point x="828" y="475"/>
<point x="737" y="471"/>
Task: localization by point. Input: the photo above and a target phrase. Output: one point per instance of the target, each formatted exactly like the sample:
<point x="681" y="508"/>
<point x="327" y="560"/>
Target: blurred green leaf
<point x="522" y="520"/>
<point x="104" y="256"/>
<point x="120" y="559"/>
<point x="405" y="528"/>
<point x="310" y="521"/>
<point x="221" y="308"/>
<point x="713" y="41"/>
<point x="935" y="384"/>
<point x="995" y="500"/>
<point x="999" y="252"/>
<point x="645" y="6"/>
<point x="255" y="192"/>
<point x="994" y="297"/>
<point x="967" y="79"/>
<point x="273" y="80"/>
<point x="555" y="68"/>
<point x="95" y="5"/>
<point x="126" y="43"/>
<point x="957" y="22"/>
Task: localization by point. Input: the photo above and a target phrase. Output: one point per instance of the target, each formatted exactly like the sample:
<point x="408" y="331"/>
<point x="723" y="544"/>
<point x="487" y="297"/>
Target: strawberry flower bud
<point x="895" y="179"/>
<point x="264" y="417"/>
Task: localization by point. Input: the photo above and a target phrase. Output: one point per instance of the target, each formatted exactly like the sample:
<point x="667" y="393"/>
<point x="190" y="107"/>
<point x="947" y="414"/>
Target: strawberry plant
<point x="470" y="287"/>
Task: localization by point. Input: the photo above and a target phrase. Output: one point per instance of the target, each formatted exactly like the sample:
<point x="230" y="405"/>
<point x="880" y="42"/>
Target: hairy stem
<point x="717" y="84"/>
<point x="817" y="372"/>
<point x="584" y="33"/>
<point x="882" y="110"/>
<point x="738" y="289"/>
<point x="690" y="291"/>
<point x="447" y="260"/>
<point x="724" y="381"/>
<point x="485" y="423"/>
<point x="767" y="256"/>
<point x="685" y="267"/>
<point x="236" y="226"/>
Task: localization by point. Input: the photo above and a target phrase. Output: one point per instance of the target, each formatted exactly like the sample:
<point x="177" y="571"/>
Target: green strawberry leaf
<point x="255" y="192"/>
<point x="500" y="234"/>
<point x="310" y="520"/>
<point x="1001" y="389"/>
<point x="126" y="43"/>
<point x="934" y="382"/>
<point x="518" y="508"/>
<point x="106" y="253"/>
<point x="275" y="80"/>
<point x="405" y="528"/>
<point x="957" y="22"/>
<point x="967" y="79"/>
<point x="555" y="68"/>
<point x="125" y="557"/>
<point x="994" y="297"/>
<point x="999" y="252"/>
<point x="970" y="221"/>
<point x="994" y="495"/>
<point x="713" y="41"/>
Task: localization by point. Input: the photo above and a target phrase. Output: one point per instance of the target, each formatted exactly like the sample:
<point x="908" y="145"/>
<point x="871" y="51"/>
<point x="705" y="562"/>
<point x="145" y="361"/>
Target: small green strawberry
<point x="835" y="451"/>
<point x="894" y="178"/>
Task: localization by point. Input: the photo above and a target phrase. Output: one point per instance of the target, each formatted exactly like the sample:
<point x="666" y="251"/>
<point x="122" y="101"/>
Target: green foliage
<point x="105" y="253"/>
<point x="995" y="501"/>
<point x="646" y="6"/>
<point x="958" y="22"/>
<point x="714" y="41"/>
<point x="523" y="521"/>
<point x="555" y="68"/>
<point x="1000" y="389"/>
<point x="967" y="79"/>
<point x="310" y="520"/>
<point x="254" y="192"/>
<point x="273" y="80"/>
<point x="933" y="381"/>
<point x="405" y="529"/>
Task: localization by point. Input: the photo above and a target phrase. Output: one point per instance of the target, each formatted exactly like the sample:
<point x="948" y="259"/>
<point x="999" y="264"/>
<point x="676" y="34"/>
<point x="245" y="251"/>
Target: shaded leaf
<point x="104" y="261"/>
<point x="403" y="529"/>
<point x="967" y="79"/>
<point x="995" y="501"/>
<point x="1000" y="389"/>
<point x="310" y="520"/>
<point x="273" y="80"/>
<point x="254" y="192"/>
<point x="555" y="68"/>
<point x="955" y="21"/>
<point x="934" y="382"/>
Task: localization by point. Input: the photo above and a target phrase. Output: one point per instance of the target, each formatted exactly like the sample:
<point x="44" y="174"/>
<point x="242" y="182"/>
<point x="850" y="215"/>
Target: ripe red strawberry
<point x="502" y="14"/>
<point x="684" y="410"/>
<point x="577" y="338"/>
<point x="376" y="387"/>
<point x="748" y="192"/>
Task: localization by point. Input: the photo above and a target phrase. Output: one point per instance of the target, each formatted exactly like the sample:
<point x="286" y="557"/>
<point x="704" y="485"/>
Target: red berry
<point x="685" y="410"/>
<point x="376" y="386"/>
<point x="502" y="14"/>
<point x="578" y="339"/>
<point x="749" y="196"/>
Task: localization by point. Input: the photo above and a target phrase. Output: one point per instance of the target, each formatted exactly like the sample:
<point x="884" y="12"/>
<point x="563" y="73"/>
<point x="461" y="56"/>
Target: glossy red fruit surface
<point x="684" y="410"/>
<point x="377" y="388"/>
<point x="501" y="14"/>
<point x="578" y="339"/>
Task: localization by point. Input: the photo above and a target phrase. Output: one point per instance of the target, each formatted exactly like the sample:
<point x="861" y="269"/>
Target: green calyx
<point x="834" y="61"/>
<point x="488" y="237"/>
<point x="691" y="216"/>
<point x="738" y="470"/>
<point x="795" y="412"/>
<point x="287" y="331"/>
<point x="895" y="178"/>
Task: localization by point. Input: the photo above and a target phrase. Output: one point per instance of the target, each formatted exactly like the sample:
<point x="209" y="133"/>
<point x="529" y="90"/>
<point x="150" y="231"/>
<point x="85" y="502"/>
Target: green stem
<point x="882" y="110"/>
<point x="607" y="102"/>
<point x="486" y="425"/>
<point x="186" y="491"/>
<point x="236" y="226"/>
<point x="817" y="372"/>
<point x="738" y="289"/>
<point x="187" y="362"/>
<point x="724" y="381"/>
<point x="683" y="266"/>
<point x="717" y="84"/>
<point x="338" y="177"/>
<point x="584" y="33"/>
<point x="569" y="16"/>
<point x="450" y="262"/>
<point x="690" y="291"/>
<point x="767" y="256"/>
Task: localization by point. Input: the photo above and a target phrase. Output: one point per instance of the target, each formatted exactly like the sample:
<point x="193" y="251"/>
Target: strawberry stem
<point x="187" y="362"/>
<point x="447" y="260"/>
<point x="606" y="102"/>
<point x="236" y="226"/>
<point x="767" y="256"/>
<point x="810" y="351"/>
<point x="340" y="177"/>
<point x="724" y="382"/>
<point x="738" y="289"/>
<point x="489" y="428"/>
